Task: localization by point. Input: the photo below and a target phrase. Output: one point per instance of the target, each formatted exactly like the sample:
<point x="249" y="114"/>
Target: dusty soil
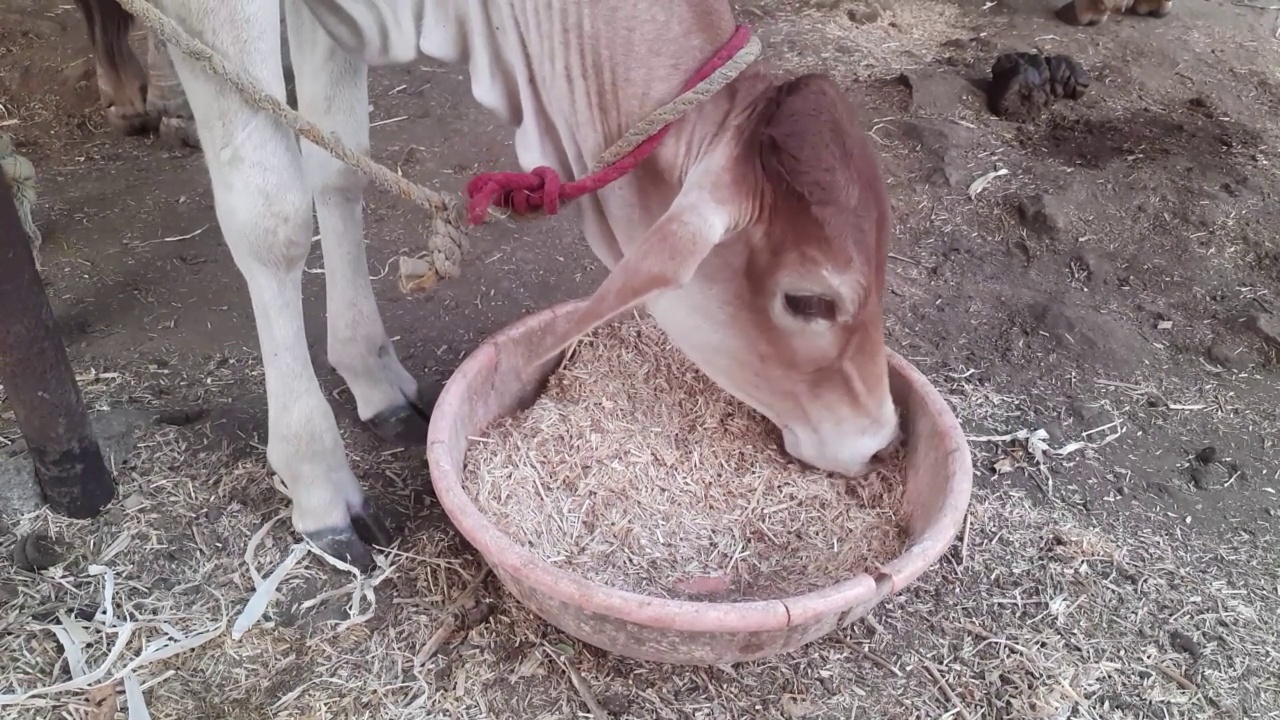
<point x="1107" y="289"/>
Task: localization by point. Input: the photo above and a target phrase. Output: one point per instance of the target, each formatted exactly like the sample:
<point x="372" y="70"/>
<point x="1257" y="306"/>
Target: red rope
<point x="542" y="189"/>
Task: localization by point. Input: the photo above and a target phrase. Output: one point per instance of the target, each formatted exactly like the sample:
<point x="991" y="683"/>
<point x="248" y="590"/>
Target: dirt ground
<point x="1113" y="287"/>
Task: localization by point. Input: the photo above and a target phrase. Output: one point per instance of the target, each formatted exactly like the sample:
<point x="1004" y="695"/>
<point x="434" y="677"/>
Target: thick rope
<point x="521" y="192"/>
<point x="542" y="188"/>
<point x="729" y="61"/>
<point x="21" y="175"/>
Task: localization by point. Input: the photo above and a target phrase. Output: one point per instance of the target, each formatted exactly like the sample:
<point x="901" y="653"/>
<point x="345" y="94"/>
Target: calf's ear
<point x="666" y="258"/>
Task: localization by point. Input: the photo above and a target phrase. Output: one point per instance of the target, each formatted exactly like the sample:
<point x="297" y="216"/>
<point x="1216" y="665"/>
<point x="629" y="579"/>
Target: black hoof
<point x="372" y="530"/>
<point x="405" y="425"/>
<point x="345" y="545"/>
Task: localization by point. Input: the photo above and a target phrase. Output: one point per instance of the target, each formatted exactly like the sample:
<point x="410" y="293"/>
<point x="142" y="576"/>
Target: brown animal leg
<point x="166" y="100"/>
<point x="1083" y="12"/>
<point x="122" y="81"/>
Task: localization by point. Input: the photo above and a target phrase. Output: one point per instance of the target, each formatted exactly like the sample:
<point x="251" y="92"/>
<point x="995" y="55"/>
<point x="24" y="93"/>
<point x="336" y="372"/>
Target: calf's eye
<point x="811" y="307"/>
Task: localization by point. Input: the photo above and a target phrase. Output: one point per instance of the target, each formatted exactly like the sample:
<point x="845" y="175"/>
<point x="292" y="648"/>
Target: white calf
<point x="757" y="233"/>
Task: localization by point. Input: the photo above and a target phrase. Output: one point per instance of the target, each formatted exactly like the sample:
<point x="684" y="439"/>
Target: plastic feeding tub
<point x="495" y="381"/>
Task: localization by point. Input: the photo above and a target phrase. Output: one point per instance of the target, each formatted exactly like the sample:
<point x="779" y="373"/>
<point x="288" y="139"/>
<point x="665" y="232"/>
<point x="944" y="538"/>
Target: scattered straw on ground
<point x="1044" y="608"/>
<point x="1039" y="611"/>
<point x="636" y="471"/>
<point x="907" y="36"/>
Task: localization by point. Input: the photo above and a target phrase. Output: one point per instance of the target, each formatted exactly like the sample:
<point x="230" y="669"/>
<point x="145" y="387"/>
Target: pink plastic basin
<point x="497" y="380"/>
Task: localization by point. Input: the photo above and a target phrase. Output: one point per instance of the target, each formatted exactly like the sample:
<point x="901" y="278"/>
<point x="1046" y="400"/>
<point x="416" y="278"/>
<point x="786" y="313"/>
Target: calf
<point x="756" y="233"/>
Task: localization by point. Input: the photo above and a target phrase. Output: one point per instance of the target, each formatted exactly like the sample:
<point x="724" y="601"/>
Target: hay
<point x="634" y="470"/>
<point x="1051" y="607"/>
<point x="908" y="36"/>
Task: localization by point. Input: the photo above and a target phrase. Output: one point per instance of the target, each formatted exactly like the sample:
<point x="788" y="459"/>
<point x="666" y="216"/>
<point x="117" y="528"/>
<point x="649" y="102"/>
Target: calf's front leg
<point x="263" y="207"/>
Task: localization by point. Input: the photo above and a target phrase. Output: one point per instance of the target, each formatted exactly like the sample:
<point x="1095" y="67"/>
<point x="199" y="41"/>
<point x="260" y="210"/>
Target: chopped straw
<point x="634" y="470"/>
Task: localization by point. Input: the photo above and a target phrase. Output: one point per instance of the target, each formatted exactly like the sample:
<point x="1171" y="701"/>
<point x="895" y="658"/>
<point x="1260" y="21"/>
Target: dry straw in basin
<point x="635" y="471"/>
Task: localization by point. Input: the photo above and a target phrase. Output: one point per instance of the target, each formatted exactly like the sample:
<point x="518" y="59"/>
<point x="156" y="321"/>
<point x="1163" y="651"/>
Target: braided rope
<point x="447" y="242"/>
<point x="21" y="175"/>
<point x="543" y="190"/>
<point x="676" y="109"/>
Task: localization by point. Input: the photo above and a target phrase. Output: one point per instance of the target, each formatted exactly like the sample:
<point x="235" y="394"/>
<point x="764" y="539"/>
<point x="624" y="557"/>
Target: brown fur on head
<point x="767" y="269"/>
<point x="822" y="266"/>
<point x="786" y="312"/>
<point x="821" y="172"/>
<point x="122" y="80"/>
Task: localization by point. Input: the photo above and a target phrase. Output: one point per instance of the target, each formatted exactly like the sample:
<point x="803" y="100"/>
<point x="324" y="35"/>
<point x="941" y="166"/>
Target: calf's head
<point x="768" y="270"/>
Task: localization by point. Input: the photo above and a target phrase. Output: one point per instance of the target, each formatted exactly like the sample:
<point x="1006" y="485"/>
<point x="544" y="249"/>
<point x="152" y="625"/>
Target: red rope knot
<point x="542" y="189"/>
<point x="522" y="193"/>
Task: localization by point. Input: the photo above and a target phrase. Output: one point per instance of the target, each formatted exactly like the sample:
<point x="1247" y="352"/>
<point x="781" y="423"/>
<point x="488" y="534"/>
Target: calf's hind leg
<point x="333" y="92"/>
<point x="264" y="211"/>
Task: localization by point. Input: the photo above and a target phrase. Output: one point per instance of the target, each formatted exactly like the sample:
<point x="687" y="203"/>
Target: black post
<point x="40" y="384"/>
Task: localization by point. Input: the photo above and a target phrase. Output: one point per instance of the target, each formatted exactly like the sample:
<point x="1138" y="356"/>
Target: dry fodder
<point x="1051" y="616"/>
<point x="1036" y="612"/>
<point x="908" y="35"/>
<point x="636" y="471"/>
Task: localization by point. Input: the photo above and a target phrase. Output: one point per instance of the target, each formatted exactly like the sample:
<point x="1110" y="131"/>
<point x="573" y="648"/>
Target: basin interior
<point x="504" y="382"/>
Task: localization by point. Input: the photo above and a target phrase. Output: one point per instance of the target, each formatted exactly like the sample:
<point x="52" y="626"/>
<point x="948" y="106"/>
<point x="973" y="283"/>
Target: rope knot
<point x="21" y="175"/>
<point x="522" y="193"/>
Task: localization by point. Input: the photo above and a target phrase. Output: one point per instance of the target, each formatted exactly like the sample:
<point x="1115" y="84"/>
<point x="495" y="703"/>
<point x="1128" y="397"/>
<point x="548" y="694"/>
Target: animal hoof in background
<point x="179" y="133"/>
<point x="1067" y="14"/>
<point x="405" y="425"/>
<point x="1024" y="84"/>
<point x="129" y="122"/>
<point x="1083" y="14"/>
<point x="1152" y="8"/>
<point x="167" y="103"/>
